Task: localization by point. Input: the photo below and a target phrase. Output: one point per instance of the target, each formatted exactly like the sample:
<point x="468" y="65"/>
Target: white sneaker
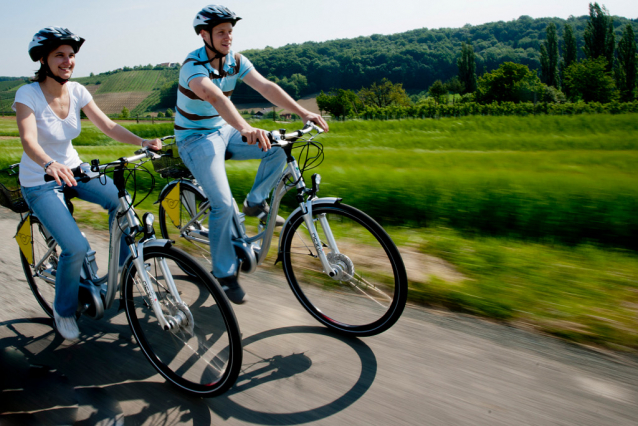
<point x="67" y="327"/>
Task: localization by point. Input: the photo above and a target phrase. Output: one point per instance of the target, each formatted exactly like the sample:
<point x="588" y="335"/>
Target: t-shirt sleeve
<point x="245" y="67"/>
<point x="190" y="71"/>
<point x="84" y="96"/>
<point x="26" y="96"/>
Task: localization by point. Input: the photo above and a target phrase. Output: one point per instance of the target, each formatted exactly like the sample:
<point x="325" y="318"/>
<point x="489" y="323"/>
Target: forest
<point x="415" y="59"/>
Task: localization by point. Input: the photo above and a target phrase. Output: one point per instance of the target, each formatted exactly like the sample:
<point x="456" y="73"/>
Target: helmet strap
<point x="49" y="73"/>
<point x="215" y="51"/>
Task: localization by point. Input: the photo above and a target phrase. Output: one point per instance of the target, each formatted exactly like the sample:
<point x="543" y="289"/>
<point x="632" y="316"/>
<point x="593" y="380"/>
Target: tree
<point x="590" y="80"/>
<point x="125" y="113"/>
<point x="160" y="114"/>
<point x="599" y="35"/>
<point x="570" y="48"/>
<point x="549" y="57"/>
<point x="454" y="85"/>
<point x="509" y="83"/>
<point x="626" y="66"/>
<point x="438" y="92"/>
<point x="339" y="104"/>
<point x="467" y="68"/>
<point x="168" y="95"/>
<point x="384" y="94"/>
<point x="169" y="113"/>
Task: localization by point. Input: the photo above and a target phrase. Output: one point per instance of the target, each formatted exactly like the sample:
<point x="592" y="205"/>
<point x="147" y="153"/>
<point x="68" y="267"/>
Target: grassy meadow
<point x="533" y="218"/>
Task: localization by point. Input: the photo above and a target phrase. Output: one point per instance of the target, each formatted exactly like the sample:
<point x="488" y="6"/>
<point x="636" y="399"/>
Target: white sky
<point x="138" y="32"/>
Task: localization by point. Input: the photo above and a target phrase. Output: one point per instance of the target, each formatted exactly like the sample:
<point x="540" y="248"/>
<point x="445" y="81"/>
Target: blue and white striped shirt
<point x="194" y="115"/>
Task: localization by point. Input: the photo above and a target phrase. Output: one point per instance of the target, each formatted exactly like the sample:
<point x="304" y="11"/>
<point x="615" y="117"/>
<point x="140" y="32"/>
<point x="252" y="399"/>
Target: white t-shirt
<point x="54" y="134"/>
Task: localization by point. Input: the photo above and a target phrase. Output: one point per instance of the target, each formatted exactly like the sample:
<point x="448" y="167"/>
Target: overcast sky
<point x="138" y="32"/>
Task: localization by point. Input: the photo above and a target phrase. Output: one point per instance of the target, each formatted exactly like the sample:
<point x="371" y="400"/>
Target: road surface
<point x="431" y="368"/>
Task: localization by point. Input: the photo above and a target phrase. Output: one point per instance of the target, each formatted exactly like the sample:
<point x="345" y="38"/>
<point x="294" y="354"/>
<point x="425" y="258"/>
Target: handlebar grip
<point x="77" y="173"/>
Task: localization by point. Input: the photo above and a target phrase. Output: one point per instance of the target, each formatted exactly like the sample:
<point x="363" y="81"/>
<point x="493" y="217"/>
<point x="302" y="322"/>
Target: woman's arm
<point x="276" y="95"/>
<point x="28" y="129"/>
<point x="114" y="130"/>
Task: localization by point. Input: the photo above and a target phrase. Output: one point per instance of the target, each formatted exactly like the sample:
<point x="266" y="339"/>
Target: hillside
<point x="414" y="58"/>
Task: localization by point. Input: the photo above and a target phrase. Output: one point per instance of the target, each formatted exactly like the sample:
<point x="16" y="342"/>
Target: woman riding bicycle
<point x="208" y="128"/>
<point x="48" y="117"/>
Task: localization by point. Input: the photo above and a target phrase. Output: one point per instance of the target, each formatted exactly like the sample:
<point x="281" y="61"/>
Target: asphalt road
<point x="431" y="368"/>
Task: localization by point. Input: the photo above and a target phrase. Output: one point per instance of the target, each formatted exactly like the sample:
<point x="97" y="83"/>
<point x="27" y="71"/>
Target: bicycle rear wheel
<point x="202" y="355"/>
<point x="370" y="291"/>
<point x="41" y="273"/>
<point x="195" y="241"/>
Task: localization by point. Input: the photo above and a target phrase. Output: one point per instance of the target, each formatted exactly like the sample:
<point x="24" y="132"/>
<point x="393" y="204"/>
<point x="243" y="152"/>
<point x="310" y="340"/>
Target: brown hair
<point x="41" y="74"/>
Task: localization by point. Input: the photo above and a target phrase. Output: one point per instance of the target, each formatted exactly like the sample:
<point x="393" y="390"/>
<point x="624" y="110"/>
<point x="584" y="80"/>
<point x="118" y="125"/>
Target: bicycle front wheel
<point x="41" y="273"/>
<point x="369" y="292"/>
<point x="203" y="353"/>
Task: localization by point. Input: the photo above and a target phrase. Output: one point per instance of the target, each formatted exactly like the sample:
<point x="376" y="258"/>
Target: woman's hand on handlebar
<point x="152" y="144"/>
<point x="60" y="173"/>
<point x="317" y="119"/>
<point x="254" y="136"/>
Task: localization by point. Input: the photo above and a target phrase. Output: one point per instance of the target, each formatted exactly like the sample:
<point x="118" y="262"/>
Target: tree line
<point x="415" y="59"/>
<point x="606" y="72"/>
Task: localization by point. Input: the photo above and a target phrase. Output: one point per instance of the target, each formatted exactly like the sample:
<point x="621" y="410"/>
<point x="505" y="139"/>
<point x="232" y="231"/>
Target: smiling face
<point x="221" y="37"/>
<point x="61" y="61"/>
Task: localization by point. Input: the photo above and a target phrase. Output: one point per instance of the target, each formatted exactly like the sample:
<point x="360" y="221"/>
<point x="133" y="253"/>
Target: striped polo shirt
<point x="194" y="115"/>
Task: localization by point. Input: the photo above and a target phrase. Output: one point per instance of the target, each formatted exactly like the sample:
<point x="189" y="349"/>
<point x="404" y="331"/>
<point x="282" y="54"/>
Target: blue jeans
<point x="204" y="155"/>
<point x="47" y="203"/>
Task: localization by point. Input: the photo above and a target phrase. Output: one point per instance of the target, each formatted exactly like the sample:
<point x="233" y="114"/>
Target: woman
<point x="48" y="116"/>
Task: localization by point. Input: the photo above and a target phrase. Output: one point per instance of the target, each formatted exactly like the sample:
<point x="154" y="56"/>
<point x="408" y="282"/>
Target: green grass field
<point x="536" y="215"/>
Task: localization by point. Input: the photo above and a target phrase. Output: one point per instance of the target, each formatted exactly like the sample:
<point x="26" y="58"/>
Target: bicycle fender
<point x="172" y="184"/>
<point x="328" y="201"/>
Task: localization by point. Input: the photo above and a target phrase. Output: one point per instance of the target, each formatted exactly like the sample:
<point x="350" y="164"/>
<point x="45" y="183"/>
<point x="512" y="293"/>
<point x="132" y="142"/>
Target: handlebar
<point x="86" y="172"/>
<point x="276" y="137"/>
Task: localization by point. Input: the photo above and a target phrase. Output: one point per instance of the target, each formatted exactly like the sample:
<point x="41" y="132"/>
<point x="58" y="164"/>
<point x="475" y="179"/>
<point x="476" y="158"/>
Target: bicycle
<point x="183" y="323"/>
<point x="356" y="287"/>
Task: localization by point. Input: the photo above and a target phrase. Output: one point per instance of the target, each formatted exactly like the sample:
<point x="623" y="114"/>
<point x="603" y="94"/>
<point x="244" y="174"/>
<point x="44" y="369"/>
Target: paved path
<point x="432" y="368"/>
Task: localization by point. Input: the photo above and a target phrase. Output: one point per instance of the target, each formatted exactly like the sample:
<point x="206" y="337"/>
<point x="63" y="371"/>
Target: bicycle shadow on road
<point x="47" y="381"/>
<point x="288" y="368"/>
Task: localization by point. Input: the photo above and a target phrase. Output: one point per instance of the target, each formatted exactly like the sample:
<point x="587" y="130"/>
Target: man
<point x="208" y="128"/>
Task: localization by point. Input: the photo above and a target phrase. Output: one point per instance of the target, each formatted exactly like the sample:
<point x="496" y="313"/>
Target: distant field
<point x="112" y="103"/>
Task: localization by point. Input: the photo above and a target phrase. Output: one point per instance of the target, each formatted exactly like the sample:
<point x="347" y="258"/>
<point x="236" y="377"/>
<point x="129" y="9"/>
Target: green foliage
<point x="599" y="35"/>
<point x="160" y="114"/>
<point x="294" y="86"/>
<point x="169" y="113"/>
<point x="509" y="83"/>
<point x="341" y="103"/>
<point x="168" y="95"/>
<point x="383" y="94"/>
<point x="467" y="68"/>
<point x="439" y="92"/>
<point x="626" y="71"/>
<point x="125" y="113"/>
<point x="549" y="57"/>
<point x="590" y="81"/>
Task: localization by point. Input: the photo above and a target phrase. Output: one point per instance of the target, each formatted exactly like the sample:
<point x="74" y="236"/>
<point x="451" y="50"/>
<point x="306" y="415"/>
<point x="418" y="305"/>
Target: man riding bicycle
<point x="209" y="129"/>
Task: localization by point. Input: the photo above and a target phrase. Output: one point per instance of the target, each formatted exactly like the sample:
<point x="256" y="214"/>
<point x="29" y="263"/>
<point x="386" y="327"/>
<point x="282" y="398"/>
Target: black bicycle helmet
<point x="213" y="15"/>
<point x="49" y="38"/>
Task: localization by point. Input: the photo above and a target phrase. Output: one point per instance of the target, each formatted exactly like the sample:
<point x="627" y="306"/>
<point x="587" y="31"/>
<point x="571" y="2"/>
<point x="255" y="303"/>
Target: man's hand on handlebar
<point x="152" y="144"/>
<point x="254" y="136"/>
<point x="317" y="119"/>
<point x="60" y="173"/>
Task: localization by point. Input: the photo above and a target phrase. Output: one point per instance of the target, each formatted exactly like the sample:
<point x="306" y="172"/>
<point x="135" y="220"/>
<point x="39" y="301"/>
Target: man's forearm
<point x="277" y="96"/>
<point x="229" y="113"/>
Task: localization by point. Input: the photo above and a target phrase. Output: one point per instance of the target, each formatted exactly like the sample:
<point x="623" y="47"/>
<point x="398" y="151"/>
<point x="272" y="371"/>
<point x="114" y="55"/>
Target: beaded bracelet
<point x="46" y="166"/>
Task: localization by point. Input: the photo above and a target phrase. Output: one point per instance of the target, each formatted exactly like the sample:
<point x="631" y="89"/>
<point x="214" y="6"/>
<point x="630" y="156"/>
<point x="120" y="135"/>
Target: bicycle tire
<point x="368" y="301"/>
<point x="205" y="361"/>
<point x="190" y="203"/>
<point x="43" y="290"/>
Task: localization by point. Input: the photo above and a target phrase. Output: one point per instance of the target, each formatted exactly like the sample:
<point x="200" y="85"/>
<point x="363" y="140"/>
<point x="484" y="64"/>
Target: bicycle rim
<point x="190" y="206"/>
<point x="369" y="293"/>
<point x="43" y="290"/>
<point x="203" y="356"/>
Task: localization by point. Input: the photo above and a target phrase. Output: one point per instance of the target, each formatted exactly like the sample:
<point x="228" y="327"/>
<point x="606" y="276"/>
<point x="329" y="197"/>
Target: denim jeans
<point x="47" y="203"/>
<point x="204" y="155"/>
